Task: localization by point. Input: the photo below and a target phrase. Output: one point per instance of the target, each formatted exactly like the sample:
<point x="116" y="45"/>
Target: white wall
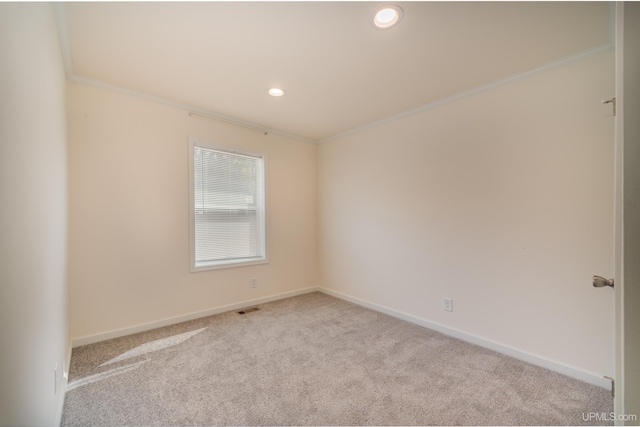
<point x="502" y="201"/>
<point x="129" y="230"/>
<point x="33" y="216"/>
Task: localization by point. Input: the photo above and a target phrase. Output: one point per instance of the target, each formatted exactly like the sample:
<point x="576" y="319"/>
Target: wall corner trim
<point x="63" y="36"/>
<point x="561" y="368"/>
<point x="63" y="385"/>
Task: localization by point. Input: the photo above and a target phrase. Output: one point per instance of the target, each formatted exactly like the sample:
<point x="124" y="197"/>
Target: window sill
<point x="227" y="264"/>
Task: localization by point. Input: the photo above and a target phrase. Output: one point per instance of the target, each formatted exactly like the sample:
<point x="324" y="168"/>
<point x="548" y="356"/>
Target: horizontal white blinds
<point x="228" y="206"/>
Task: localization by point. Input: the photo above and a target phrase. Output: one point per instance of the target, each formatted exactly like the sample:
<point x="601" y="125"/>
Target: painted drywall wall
<point x="129" y="224"/>
<point x="33" y="216"/>
<point x="502" y="201"/>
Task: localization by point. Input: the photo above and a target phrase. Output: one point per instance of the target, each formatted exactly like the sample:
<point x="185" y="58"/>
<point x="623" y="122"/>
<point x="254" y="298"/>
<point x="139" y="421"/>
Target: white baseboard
<point x="571" y="371"/>
<point x="90" y="339"/>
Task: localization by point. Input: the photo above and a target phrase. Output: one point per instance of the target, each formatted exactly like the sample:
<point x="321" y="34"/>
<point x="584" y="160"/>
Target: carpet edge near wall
<point x="543" y="362"/>
<point x="559" y="367"/>
<point x="117" y="333"/>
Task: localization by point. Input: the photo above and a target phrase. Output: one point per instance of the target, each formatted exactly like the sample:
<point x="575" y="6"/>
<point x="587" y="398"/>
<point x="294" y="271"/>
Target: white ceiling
<point x="340" y="74"/>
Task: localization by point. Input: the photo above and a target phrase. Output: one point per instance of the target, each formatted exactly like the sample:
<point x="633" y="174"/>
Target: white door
<point x="618" y="217"/>
<point x="627" y="216"/>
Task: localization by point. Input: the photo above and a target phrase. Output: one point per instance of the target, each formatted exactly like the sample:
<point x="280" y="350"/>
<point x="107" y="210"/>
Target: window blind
<point x="228" y="198"/>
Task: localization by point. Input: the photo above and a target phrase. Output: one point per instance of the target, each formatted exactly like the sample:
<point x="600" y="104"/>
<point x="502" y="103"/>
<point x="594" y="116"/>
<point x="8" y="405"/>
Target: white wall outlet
<point x="447" y="304"/>
<point x="254" y="283"/>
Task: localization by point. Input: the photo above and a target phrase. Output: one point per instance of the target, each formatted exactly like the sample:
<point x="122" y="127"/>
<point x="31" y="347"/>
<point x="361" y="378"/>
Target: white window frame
<point x="215" y="265"/>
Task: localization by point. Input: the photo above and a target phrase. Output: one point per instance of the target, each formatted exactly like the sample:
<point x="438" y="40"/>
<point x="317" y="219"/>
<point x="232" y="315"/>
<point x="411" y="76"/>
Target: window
<point x="227" y="207"/>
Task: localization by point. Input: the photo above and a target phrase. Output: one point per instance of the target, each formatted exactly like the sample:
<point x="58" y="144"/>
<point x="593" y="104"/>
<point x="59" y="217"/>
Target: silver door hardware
<point x="613" y="386"/>
<point x="601" y="282"/>
<point x="613" y="101"/>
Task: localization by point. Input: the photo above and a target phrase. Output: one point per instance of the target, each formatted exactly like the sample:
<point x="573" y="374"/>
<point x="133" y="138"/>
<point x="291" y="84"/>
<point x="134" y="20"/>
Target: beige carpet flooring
<point x="313" y="360"/>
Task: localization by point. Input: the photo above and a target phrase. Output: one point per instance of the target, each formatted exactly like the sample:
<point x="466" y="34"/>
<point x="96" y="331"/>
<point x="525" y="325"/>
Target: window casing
<point x="226" y="206"/>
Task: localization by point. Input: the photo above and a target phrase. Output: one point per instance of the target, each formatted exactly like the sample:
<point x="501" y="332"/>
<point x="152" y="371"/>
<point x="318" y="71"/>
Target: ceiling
<point x="340" y="74"/>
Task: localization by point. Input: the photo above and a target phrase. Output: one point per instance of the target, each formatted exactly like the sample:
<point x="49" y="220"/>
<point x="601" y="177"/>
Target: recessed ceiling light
<point x="274" y="91"/>
<point x="386" y="17"/>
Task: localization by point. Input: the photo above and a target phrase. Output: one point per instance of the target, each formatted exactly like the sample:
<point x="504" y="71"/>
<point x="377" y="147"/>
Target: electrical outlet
<point x="254" y="283"/>
<point x="447" y="304"/>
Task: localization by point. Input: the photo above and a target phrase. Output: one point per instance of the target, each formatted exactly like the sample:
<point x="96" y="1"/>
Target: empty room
<point x="319" y="213"/>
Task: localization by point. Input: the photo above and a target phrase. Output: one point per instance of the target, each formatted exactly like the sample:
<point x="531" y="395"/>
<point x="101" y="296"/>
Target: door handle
<point x="601" y="282"/>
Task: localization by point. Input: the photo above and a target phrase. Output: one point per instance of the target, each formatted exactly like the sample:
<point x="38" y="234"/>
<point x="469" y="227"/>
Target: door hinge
<point x="613" y="386"/>
<point x="612" y="101"/>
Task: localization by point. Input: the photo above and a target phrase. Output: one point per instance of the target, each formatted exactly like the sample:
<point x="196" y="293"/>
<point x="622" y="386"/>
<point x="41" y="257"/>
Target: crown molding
<point x="543" y="69"/>
<point x="190" y="109"/>
<point x="63" y="34"/>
